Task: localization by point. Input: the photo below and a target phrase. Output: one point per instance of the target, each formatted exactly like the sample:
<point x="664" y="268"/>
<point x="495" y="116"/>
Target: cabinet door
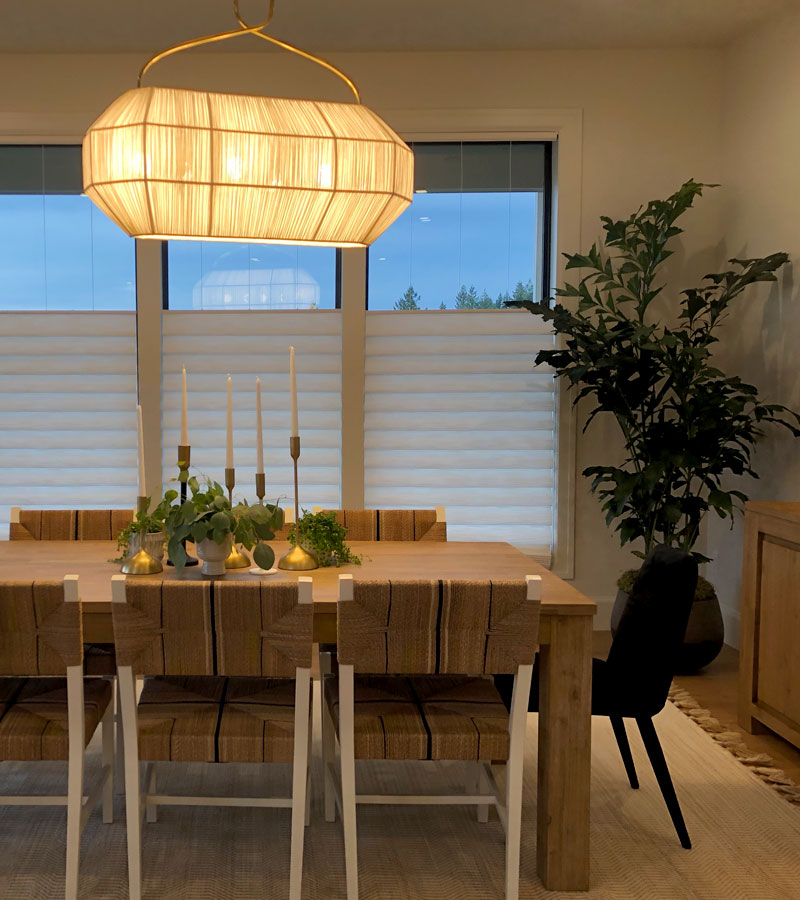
<point x="778" y="631"/>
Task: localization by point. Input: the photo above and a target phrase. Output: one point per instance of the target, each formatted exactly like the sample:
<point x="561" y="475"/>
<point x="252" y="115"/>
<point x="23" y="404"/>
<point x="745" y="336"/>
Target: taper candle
<point x="259" y="435"/>
<point x="142" y="483"/>
<point x="229" y="435"/>
<point x="184" y="414"/>
<point x="293" y="391"/>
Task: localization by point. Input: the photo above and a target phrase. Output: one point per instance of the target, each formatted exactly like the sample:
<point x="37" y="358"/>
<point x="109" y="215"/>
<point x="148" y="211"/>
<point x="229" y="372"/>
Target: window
<point x="475" y="234"/>
<point x="221" y="275"/>
<point x="57" y="250"/>
<point x="455" y="413"/>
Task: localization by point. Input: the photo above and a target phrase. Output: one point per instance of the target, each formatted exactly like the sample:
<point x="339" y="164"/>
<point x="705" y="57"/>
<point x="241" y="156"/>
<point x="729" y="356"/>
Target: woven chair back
<point x="391" y="524"/>
<point x="438" y="627"/>
<point x="199" y="628"/>
<point x="40" y="628"/>
<point x="69" y="524"/>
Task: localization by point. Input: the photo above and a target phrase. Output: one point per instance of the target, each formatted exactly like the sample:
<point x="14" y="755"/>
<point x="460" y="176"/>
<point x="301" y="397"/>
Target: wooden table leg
<point x="565" y="686"/>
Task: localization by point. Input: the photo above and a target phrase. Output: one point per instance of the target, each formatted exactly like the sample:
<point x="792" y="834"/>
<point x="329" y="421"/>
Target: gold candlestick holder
<point x="236" y="559"/>
<point x="297" y="559"/>
<point x="261" y="486"/>
<point x="184" y="459"/>
<point x="141" y="563"/>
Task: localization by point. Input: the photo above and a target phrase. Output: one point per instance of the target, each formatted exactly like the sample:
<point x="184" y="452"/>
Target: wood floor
<point x="716" y="689"/>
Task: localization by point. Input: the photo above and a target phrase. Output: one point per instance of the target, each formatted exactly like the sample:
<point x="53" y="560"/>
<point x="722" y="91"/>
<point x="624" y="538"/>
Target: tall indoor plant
<point x="686" y="425"/>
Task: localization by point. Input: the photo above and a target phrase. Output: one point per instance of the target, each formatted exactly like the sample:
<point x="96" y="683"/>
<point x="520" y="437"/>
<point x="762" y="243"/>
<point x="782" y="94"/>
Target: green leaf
<point x="220" y="522"/>
<point x="721" y="500"/>
<point x="177" y="554"/>
<point x="263" y="556"/>
<point x="264" y="531"/>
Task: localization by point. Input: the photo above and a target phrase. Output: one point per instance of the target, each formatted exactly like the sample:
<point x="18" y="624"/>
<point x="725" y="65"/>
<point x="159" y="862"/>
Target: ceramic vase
<point x="214" y="555"/>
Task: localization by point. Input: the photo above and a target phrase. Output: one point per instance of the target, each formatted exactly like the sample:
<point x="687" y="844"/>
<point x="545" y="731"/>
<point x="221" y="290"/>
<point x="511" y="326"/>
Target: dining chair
<point x="392" y="524"/>
<point x="227" y="679"/>
<point x="414" y="661"/>
<point x="282" y="534"/>
<point x="67" y="524"/>
<point x="48" y="710"/>
<point x="634" y="681"/>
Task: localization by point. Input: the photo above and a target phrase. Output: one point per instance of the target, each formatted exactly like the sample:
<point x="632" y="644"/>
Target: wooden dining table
<point x="565" y="656"/>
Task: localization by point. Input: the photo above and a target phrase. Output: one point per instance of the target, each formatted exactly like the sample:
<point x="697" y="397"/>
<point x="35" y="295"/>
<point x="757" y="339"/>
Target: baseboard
<point x="732" y="622"/>
<point x="602" y="618"/>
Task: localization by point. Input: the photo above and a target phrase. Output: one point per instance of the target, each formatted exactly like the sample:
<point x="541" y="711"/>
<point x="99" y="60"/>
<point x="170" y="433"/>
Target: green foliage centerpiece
<point x="145" y="521"/>
<point x="208" y="516"/>
<point x="686" y="424"/>
<point x="320" y="534"/>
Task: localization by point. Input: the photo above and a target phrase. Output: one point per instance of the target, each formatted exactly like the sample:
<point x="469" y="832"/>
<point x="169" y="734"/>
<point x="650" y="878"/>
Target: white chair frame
<point x="79" y="806"/>
<point x="143" y="804"/>
<point x="341" y="791"/>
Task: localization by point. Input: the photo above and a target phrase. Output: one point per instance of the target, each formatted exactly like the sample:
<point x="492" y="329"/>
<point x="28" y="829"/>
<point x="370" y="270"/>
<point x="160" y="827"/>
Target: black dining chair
<point x="633" y="682"/>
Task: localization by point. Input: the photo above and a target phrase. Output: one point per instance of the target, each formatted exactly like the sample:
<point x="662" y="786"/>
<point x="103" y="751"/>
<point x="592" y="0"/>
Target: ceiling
<point x="97" y="26"/>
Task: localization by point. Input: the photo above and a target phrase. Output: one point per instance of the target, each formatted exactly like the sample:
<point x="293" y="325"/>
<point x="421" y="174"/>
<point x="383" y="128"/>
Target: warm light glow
<point x="169" y="163"/>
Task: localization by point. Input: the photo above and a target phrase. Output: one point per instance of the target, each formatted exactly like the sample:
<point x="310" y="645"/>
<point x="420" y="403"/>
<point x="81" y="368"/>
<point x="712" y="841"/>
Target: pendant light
<point x="172" y="163"/>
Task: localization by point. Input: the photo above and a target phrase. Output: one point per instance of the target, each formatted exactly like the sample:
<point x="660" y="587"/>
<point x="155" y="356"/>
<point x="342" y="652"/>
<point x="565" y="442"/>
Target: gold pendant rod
<point x="256" y="31"/>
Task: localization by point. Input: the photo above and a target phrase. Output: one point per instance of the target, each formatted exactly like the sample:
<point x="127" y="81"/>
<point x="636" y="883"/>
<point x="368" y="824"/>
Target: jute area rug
<point x="746" y="837"/>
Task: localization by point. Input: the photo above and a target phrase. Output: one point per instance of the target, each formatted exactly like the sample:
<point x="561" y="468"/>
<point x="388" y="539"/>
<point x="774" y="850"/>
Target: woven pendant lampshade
<point x="175" y="163"/>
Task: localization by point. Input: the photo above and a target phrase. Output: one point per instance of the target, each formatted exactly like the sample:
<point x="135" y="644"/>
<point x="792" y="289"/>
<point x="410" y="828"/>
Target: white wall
<point x="761" y="140"/>
<point x="651" y="120"/>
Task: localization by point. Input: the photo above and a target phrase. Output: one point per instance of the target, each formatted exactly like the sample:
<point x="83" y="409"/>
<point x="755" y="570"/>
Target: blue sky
<point x="444" y="240"/>
<point x="61" y="252"/>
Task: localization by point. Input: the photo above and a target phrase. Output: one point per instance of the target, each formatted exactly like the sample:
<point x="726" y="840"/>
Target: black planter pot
<point x="705" y="632"/>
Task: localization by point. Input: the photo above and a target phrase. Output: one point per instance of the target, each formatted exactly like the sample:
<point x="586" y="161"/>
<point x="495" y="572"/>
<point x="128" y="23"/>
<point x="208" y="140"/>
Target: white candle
<point x="184" y="415"/>
<point x="293" y="391"/>
<point x="259" y="436"/>
<point x="229" y="442"/>
<point x="142" y="483"/>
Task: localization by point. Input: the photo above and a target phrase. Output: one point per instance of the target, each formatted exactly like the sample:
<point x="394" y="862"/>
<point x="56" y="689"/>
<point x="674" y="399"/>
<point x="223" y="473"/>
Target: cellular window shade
<point x="457" y="416"/>
<point x="247" y="344"/>
<point x="456" y="167"/>
<point x="67" y="411"/>
<point x="38" y="169"/>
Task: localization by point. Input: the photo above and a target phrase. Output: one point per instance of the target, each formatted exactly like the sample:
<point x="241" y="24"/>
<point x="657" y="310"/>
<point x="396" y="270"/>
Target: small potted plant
<point x="208" y="520"/>
<point x="320" y="534"/>
<point x="146" y="530"/>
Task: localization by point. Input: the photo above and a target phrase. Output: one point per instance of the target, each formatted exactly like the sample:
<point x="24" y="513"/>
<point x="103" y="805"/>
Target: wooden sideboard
<point x="769" y="678"/>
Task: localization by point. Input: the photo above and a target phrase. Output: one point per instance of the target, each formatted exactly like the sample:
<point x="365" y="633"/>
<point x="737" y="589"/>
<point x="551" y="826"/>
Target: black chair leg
<point x="624" y="749"/>
<point x="659" y="764"/>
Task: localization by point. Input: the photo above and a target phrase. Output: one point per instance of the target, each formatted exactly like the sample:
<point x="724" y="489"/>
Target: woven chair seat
<point x="444" y="717"/>
<point x="33" y="716"/>
<point x="216" y="719"/>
